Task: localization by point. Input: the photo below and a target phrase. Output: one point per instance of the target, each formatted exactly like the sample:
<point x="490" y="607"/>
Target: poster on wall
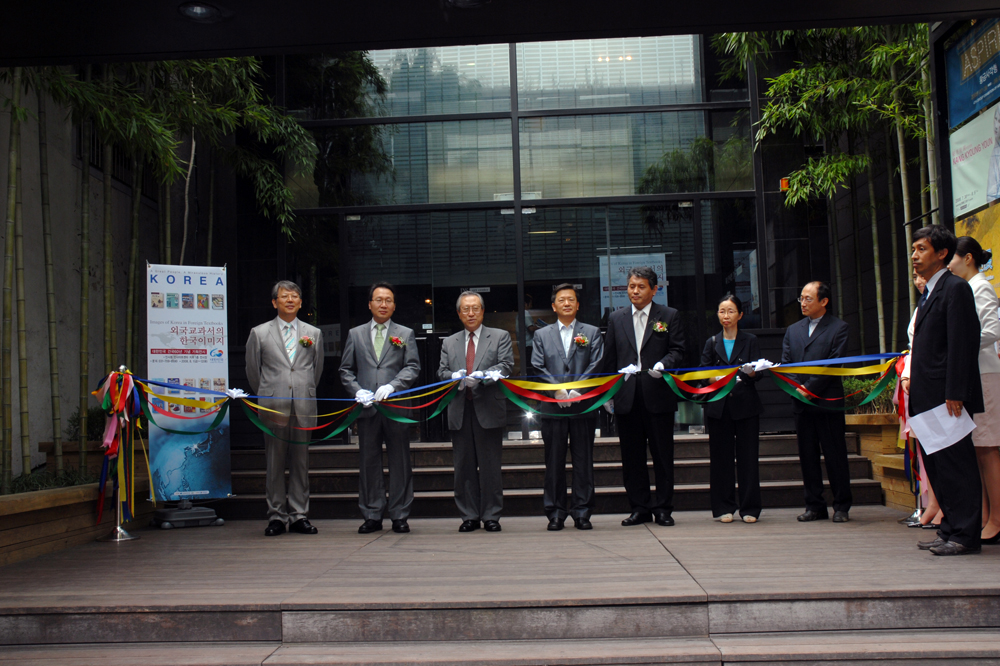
<point x="973" y="72"/>
<point x="188" y="350"/>
<point x="975" y="163"/>
<point x="614" y="279"/>
<point x="984" y="226"/>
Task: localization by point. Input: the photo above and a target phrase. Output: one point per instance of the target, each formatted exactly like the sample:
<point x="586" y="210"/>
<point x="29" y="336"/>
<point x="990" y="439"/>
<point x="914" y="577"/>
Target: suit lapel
<point x="820" y="327"/>
<point x="629" y="326"/>
<point x="654" y="314"/>
<point x="279" y="339"/>
<point x="484" y="342"/>
<point x="720" y="347"/>
<point x="572" y="345"/>
<point x="925" y="308"/>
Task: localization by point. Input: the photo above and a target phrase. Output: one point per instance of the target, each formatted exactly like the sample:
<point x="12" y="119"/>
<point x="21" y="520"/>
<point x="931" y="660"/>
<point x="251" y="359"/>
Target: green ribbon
<point x="607" y="395"/>
<point x="719" y="395"/>
<point x="351" y="418"/>
<point x="447" y="398"/>
<point x="215" y="424"/>
<point x="881" y="386"/>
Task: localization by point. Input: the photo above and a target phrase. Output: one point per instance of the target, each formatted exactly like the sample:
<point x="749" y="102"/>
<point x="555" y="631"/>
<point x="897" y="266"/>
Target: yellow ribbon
<point x="188" y="402"/>
<point x="258" y="406"/>
<point x="412" y="397"/>
<point x="565" y="386"/>
<point x="836" y="372"/>
<point x="702" y="374"/>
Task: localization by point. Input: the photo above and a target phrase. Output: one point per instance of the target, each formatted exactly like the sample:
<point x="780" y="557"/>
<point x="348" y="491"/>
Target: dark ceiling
<point x="63" y="31"/>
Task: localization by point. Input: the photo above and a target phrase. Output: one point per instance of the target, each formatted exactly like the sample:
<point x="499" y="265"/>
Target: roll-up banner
<point x="187" y="348"/>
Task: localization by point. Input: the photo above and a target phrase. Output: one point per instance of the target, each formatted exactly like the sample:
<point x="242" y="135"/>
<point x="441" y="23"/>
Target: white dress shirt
<point x="374" y="330"/>
<point x="639" y="323"/>
<point x="566" y="333"/>
<point x="475" y="343"/>
<point x="813" y="323"/>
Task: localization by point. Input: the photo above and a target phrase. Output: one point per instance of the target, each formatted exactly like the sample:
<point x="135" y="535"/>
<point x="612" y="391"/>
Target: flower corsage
<point x="306" y="341"/>
<point x="397" y="342"/>
<point x="581" y="340"/>
<point x="660" y="327"/>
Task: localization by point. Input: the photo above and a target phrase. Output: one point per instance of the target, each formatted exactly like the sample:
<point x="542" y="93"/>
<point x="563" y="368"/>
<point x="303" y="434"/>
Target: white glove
<point x="574" y="394"/>
<point x="365" y="397"/>
<point x="236" y="393"/>
<point x="458" y="374"/>
<point x="478" y="374"/>
<point x="471" y="380"/>
<point x="655" y="372"/>
<point x="747" y="368"/>
<point x="609" y="406"/>
<point x="383" y="392"/>
<point x="494" y="375"/>
<point x="629" y="370"/>
<point x="561" y="394"/>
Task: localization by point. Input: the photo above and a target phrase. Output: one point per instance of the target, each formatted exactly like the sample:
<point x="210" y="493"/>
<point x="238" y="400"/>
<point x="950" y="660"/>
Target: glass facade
<point x="445" y="177"/>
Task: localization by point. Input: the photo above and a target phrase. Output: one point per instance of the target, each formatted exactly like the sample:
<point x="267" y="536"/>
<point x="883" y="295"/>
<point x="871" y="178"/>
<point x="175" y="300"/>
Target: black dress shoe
<point x="931" y="526"/>
<point x="555" y="524"/>
<point x="370" y="526"/>
<point x="995" y="539"/>
<point x="583" y="524"/>
<point x="840" y="517"/>
<point x="491" y="525"/>
<point x="927" y="545"/>
<point x="302" y="526"/>
<point x="274" y="528"/>
<point x="469" y="526"/>
<point x="400" y="526"/>
<point x="810" y="515"/>
<point x="637" y="518"/>
<point x="955" y="548"/>
<point x="663" y="518"/>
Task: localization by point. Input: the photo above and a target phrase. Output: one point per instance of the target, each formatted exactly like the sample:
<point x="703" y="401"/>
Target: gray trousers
<point x="294" y="506"/>
<point x="478" y="482"/>
<point x="371" y="485"/>
<point x="579" y="432"/>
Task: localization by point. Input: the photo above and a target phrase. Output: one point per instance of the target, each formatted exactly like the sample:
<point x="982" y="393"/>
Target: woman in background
<point x="969" y="257"/>
<point x="734" y="422"/>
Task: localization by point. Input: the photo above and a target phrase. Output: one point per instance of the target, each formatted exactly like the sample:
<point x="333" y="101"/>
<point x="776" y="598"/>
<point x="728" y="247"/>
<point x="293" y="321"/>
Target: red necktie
<point x="470" y="360"/>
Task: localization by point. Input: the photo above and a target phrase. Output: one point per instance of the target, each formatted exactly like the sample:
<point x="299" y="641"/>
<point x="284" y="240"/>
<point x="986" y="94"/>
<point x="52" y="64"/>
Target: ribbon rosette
<point x="306" y="341"/>
<point x="397" y="342"/>
<point x="660" y="327"/>
<point x="581" y="340"/>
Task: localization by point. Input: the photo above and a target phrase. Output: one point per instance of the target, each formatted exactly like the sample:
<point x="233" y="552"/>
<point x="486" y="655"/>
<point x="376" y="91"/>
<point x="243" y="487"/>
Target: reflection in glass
<point x="399" y="82"/>
<point x="730" y="258"/>
<point x="409" y="163"/>
<point x="636" y="153"/>
<point x="609" y="72"/>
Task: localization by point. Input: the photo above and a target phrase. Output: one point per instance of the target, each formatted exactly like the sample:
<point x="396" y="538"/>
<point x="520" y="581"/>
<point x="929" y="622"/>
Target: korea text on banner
<point x="188" y="346"/>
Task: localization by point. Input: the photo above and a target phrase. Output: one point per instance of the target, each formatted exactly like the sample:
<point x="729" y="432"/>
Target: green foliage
<point x="26" y="483"/>
<point x="880" y="405"/>
<point x="95" y="425"/>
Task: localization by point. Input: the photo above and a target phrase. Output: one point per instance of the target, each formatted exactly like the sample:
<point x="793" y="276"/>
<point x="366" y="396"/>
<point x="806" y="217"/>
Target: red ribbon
<point x="525" y="393"/>
<point x="714" y="386"/>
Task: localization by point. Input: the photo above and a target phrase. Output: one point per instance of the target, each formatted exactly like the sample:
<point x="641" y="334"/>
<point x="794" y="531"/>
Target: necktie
<point x="923" y="298"/>
<point x="567" y="339"/>
<point x="640" y="330"/>
<point x="379" y="339"/>
<point x="470" y="360"/>
<point x="289" y="342"/>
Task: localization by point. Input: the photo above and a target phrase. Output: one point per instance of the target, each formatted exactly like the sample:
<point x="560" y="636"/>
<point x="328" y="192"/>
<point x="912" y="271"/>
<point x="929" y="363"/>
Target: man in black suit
<point x="820" y="336"/>
<point x="649" y="336"/>
<point x="944" y="369"/>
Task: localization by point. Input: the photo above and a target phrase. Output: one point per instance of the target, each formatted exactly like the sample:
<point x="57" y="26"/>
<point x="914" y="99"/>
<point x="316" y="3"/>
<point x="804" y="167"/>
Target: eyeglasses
<point x="382" y="301"/>
<point x="475" y="309"/>
<point x="728" y="312"/>
<point x="805" y="299"/>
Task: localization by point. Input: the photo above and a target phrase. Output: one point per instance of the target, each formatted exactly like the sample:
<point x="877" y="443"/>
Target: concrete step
<point x="528" y="501"/>
<point x="885" y="648"/>
<point x="531" y="475"/>
<point x="433" y="454"/>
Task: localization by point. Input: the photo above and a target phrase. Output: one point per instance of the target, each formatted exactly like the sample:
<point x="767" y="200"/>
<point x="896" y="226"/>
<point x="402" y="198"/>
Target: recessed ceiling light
<point x="202" y="12"/>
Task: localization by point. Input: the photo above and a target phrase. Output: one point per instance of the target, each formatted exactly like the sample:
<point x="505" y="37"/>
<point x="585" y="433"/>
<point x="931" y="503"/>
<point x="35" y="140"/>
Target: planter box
<point x="44" y="521"/>
<point x="71" y="456"/>
<point x="878" y="440"/>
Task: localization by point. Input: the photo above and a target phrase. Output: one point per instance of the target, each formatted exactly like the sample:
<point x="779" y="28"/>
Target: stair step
<point x="916" y="647"/>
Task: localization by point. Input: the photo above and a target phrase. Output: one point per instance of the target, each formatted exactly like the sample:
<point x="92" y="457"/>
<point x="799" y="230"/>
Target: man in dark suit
<point x="944" y="369"/>
<point x="284" y="358"/>
<point x="478" y="356"/>
<point x="646" y="335"/>
<point x="562" y="353"/>
<point x="381" y="357"/>
<point x="820" y="336"/>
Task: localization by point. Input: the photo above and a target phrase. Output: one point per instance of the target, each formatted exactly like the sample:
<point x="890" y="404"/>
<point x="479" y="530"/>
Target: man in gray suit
<point x="562" y="353"/>
<point x="478" y="356"/>
<point x="284" y="358"/>
<point x="381" y="357"/>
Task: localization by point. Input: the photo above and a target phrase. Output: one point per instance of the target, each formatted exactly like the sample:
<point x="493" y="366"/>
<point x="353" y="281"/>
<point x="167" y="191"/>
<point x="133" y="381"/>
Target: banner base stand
<point x="185" y="515"/>
<point x="118" y="534"/>
<point x="911" y="519"/>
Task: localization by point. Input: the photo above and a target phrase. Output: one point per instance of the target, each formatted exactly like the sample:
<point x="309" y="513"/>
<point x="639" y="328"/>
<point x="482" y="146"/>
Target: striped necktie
<point x="289" y="343"/>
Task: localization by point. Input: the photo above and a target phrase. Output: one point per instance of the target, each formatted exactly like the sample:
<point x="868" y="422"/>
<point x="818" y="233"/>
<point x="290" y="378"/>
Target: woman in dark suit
<point x="734" y="421"/>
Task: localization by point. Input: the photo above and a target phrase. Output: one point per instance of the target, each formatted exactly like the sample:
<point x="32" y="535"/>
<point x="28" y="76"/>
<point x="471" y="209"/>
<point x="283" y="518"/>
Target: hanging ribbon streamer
<point x="723" y="387"/>
<point x="791" y="387"/>
<point x="351" y="418"/>
<point x="605" y="393"/>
